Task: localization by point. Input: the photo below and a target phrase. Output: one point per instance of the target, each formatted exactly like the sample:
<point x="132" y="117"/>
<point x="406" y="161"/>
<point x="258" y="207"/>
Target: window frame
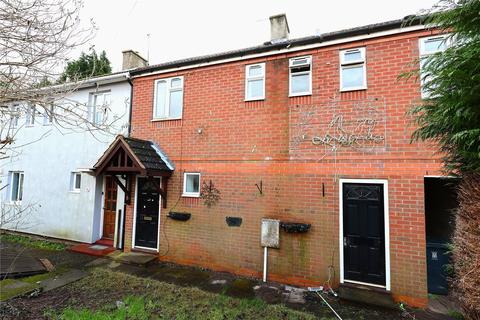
<point x="422" y="55"/>
<point x="93" y="106"/>
<point x="167" y="97"/>
<point x="48" y="115"/>
<point x="310" y="72"/>
<point x="30" y="116"/>
<point x="249" y="78"/>
<point x="15" y="118"/>
<point x="191" y="194"/>
<point x="20" y="187"/>
<point x="73" y="181"/>
<point x="352" y="64"/>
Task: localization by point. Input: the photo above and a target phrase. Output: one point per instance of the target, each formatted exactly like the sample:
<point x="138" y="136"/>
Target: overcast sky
<point x="180" y="29"/>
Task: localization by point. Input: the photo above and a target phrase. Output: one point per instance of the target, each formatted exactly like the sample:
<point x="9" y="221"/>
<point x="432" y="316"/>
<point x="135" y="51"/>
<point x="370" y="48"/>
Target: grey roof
<point x="269" y="46"/>
<point x="147" y="154"/>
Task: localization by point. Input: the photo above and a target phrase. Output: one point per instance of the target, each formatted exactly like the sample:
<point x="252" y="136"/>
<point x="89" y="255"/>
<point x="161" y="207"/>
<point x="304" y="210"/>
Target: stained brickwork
<point x="244" y="143"/>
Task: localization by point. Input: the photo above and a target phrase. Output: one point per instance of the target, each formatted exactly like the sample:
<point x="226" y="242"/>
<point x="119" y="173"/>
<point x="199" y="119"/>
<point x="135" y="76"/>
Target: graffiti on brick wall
<point x="338" y="134"/>
<point x="340" y="124"/>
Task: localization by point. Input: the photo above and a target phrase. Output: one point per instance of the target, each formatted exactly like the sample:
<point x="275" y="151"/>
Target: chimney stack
<point x="132" y="59"/>
<point x="279" y="29"/>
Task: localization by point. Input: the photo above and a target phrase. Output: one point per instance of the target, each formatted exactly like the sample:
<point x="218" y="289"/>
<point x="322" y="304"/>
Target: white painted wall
<point x="47" y="164"/>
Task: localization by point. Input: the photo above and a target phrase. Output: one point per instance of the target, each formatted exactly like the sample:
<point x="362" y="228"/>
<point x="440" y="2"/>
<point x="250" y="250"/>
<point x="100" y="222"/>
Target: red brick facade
<point x="242" y="143"/>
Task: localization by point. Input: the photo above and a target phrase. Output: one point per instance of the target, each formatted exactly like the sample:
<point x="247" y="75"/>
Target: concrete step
<point x="365" y="294"/>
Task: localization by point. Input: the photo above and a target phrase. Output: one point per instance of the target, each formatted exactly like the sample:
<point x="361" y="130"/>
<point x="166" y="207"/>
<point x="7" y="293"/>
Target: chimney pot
<point x="132" y="59"/>
<point x="279" y="29"/>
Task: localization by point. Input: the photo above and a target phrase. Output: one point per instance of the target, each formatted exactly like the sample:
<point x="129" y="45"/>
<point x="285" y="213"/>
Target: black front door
<point x="364" y="233"/>
<point x="146" y="232"/>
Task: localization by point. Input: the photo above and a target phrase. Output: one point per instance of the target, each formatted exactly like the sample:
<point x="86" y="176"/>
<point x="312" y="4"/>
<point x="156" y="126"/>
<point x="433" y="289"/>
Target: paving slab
<point x="136" y="258"/>
<point x="10" y="288"/>
<point x="62" y="279"/>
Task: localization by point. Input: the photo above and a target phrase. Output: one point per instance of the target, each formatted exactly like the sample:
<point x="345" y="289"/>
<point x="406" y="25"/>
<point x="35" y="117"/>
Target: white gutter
<point x="289" y="50"/>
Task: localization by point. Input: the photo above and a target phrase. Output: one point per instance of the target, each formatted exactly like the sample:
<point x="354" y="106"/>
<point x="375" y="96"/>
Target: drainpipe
<point x="131" y="106"/>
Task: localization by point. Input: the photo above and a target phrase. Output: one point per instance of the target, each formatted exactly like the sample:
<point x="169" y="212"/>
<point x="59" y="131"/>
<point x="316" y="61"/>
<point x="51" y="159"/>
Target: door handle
<point x="345" y="241"/>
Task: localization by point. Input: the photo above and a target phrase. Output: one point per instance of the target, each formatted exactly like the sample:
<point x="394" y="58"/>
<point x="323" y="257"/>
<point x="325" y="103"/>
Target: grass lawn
<point x="33" y="243"/>
<point x="112" y="295"/>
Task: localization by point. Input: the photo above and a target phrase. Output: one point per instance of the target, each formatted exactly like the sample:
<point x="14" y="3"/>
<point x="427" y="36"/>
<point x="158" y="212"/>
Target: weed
<point x="33" y="243"/>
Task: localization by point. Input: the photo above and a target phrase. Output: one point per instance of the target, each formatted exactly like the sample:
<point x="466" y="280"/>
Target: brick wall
<point x="243" y="143"/>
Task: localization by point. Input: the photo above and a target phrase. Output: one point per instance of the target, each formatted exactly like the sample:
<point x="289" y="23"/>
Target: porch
<point x="135" y="177"/>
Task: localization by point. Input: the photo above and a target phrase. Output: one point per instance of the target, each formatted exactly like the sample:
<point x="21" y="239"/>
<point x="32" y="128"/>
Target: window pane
<point x="296" y="62"/>
<point x="78" y="180"/>
<point x="255" y="89"/>
<point x="434" y="45"/>
<point x="20" y="187"/>
<point x="254" y="71"/>
<point x="15" y="178"/>
<point x="300" y="83"/>
<point x="176" y="104"/>
<point x="159" y="111"/>
<point x="176" y="83"/>
<point x="352" y="77"/>
<point x="352" y="56"/>
<point x="193" y="183"/>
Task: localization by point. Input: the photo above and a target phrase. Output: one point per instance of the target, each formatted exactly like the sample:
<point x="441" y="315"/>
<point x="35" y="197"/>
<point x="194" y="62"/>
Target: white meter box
<point x="270" y="233"/>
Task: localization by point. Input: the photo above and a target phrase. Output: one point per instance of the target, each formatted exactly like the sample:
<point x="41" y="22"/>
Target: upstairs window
<point x="353" y="70"/>
<point x="168" y="100"/>
<point x="48" y="115"/>
<point x="16" y="186"/>
<point x="191" y="184"/>
<point x="255" y="82"/>
<point x="30" y="116"/>
<point x="75" y="181"/>
<point x="99" y="104"/>
<point x="14" y="111"/>
<point x="300" y="76"/>
<point x="429" y="46"/>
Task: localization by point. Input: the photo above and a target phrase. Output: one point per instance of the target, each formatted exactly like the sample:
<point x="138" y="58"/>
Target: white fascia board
<point x="288" y="50"/>
<point x="163" y="155"/>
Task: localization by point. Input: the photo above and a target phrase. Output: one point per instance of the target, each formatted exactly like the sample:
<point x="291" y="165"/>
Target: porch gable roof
<point x="131" y="155"/>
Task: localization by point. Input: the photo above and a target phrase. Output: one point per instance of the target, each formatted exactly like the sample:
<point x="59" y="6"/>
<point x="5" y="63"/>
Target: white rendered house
<point x="49" y="179"/>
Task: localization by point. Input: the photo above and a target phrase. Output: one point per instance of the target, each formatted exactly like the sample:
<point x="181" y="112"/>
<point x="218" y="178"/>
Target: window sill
<point x="190" y="195"/>
<point x="74" y="191"/>
<point x="255" y="99"/>
<point x="164" y="119"/>
<point x="301" y="94"/>
<point x="353" y="89"/>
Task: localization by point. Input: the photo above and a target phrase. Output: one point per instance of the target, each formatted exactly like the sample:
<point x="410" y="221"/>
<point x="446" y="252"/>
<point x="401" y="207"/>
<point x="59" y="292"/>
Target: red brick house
<point x="312" y="132"/>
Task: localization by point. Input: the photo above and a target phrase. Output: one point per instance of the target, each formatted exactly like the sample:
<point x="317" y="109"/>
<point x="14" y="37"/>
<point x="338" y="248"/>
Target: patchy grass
<point x="96" y="297"/>
<point x="10" y="288"/>
<point x="33" y="243"/>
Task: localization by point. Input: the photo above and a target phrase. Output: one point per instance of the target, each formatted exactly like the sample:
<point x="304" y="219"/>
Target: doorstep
<point x="366" y="294"/>
<point x="141" y="259"/>
<point x="97" y="250"/>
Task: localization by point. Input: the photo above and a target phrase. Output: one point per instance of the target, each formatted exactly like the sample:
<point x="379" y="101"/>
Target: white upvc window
<point x="48" y="115"/>
<point x="31" y="110"/>
<point x="255" y="82"/>
<point x="353" y="69"/>
<point x="429" y="46"/>
<point x="14" y="116"/>
<point x="300" y="76"/>
<point x="168" y="99"/>
<point x="16" y="186"/>
<point x="191" y="184"/>
<point x="99" y="105"/>
<point x="75" y="181"/>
